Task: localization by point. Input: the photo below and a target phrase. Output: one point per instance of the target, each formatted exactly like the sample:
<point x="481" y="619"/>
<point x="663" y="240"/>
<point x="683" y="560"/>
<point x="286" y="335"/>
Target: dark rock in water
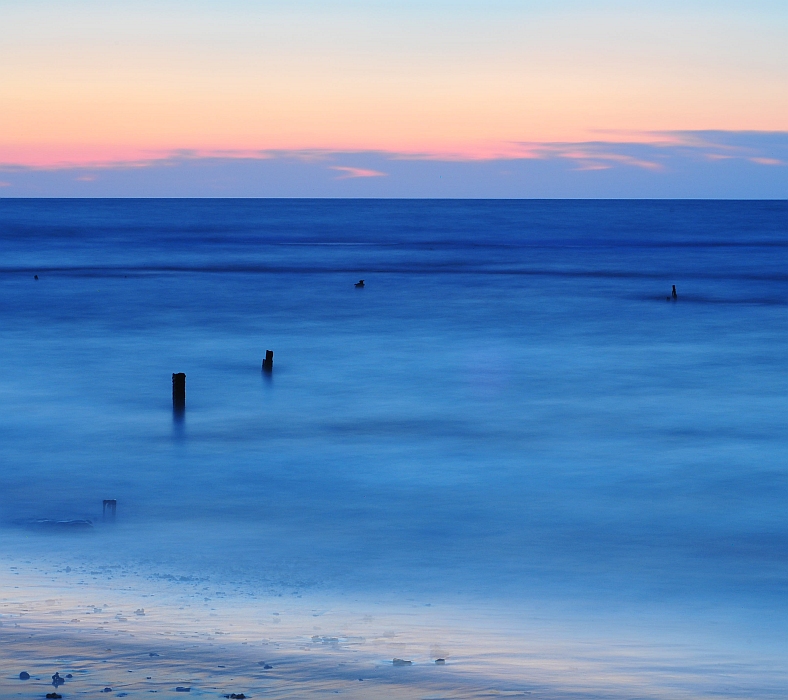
<point x="35" y="277"/>
<point x="107" y="690"/>
<point x="267" y="667"/>
<point x="57" y="680"/>
<point x="68" y="675"/>
<point x="359" y="284"/>
<point x="440" y="662"/>
<point x="24" y="676"/>
<point x="236" y="696"/>
<point x="402" y="662"/>
<point x="153" y="653"/>
<point x="182" y="689"/>
<point x="53" y="696"/>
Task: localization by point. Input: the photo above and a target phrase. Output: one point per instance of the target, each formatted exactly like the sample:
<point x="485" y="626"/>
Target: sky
<point x="382" y="98"/>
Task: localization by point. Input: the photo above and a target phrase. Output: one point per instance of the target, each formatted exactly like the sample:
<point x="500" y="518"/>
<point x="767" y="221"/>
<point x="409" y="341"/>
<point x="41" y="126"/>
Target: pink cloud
<point x="766" y="161"/>
<point x="356" y="172"/>
<point x="589" y="158"/>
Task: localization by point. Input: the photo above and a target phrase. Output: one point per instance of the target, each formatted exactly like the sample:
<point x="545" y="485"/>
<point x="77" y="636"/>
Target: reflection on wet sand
<point x="97" y="640"/>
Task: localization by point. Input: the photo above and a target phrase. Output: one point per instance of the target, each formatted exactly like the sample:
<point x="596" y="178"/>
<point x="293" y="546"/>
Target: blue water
<point x="509" y="411"/>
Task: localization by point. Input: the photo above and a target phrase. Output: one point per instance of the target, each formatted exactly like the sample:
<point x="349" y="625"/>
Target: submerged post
<point x="268" y="362"/>
<point x="110" y="506"/>
<point x="179" y="392"/>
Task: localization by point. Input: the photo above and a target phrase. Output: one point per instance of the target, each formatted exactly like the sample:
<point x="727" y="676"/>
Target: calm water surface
<point x="509" y="411"/>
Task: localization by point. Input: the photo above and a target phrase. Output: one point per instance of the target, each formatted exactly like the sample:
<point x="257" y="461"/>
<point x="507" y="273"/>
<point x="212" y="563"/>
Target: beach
<point x="87" y="623"/>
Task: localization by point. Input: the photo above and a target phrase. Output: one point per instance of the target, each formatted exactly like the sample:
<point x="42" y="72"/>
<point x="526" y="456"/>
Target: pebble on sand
<point x="402" y="662"/>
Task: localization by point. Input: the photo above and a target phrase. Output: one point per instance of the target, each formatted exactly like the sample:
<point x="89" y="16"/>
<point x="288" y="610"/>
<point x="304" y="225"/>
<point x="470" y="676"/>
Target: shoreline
<point x="117" y="636"/>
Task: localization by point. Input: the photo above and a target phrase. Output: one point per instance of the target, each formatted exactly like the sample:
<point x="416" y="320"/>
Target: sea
<point x="512" y="447"/>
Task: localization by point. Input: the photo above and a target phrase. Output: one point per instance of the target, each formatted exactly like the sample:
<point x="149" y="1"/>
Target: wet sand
<point x="140" y="637"/>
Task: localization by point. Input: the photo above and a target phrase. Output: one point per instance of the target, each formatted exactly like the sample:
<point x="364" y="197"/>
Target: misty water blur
<point x="509" y="411"/>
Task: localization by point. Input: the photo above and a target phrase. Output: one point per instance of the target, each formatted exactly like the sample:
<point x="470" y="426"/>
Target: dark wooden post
<point x="110" y="506"/>
<point x="179" y="392"/>
<point x="268" y="362"/>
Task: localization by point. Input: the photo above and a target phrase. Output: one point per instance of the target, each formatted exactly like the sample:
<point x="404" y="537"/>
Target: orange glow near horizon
<point x="108" y="83"/>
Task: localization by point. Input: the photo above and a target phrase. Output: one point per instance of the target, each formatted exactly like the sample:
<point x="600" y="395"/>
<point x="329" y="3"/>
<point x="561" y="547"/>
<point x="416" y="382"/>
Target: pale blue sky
<point x="110" y="83"/>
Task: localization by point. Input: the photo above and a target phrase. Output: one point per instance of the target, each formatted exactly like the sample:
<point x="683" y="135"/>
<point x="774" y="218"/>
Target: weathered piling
<point x="110" y="508"/>
<point x="179" y="392"/>
<point x="268" y="362"/>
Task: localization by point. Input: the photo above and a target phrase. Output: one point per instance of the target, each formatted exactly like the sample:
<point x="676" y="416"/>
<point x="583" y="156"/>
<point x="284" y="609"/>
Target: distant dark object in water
<point x="178" y="392"/>
<point x="673" y="296"/>
<point x="153" y="653"/>
<point x="57" y="680"/>
<point x="359" y="284"/>
<point x="402" y="662"/>
<point x="440" y="662"/>
<point x="267" y="667"/>
<point x="236" y="696"/>
<point x="35" y="277"/>
<point x="110" y="507"/>
<point x="24" y="676"/>
<point x="107" y="690"/>
<point x="268" y="362"/>
<point x="182" y="689"/>
<point x="68" y="675"/>
<point x="53" y="696"/>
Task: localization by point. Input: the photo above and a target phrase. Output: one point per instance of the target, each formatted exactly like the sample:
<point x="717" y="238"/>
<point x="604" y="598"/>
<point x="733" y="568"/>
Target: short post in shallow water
<point x="110" y="508"/>
<point x="673" y="293"/>
<point x="268" y="362"/>
<point x="178" y="393"/>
